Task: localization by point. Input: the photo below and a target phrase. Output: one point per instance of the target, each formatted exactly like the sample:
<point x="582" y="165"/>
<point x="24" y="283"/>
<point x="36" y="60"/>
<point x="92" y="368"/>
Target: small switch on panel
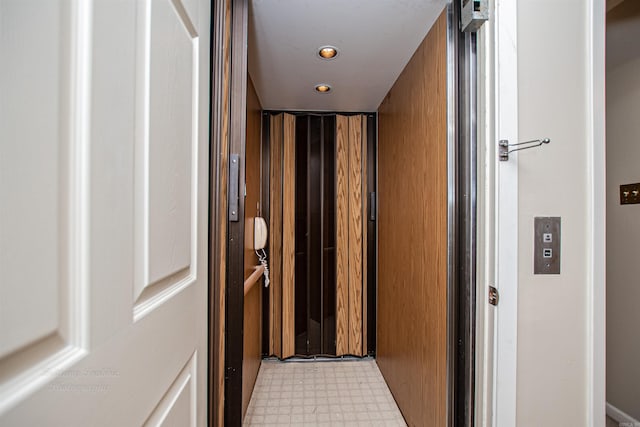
<point x="630" y="194"/>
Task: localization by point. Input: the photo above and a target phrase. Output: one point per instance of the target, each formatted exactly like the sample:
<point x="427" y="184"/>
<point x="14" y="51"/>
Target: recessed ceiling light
<point x="323" y="88"/>
<point x="327" y="52"/>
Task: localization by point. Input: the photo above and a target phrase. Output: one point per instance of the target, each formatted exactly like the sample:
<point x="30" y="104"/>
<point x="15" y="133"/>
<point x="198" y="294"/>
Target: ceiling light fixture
<point x="323" y="88"/>
<point x="327" y="52"/>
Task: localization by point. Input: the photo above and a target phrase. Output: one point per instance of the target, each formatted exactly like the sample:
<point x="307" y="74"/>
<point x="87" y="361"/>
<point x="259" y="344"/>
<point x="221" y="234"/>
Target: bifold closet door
<point x="351" y="235"/>
<point x="281" y="234"/>
<point x="318" y="234"/>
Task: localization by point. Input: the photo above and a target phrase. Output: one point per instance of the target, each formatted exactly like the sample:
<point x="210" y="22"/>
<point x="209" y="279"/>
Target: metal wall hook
<point x="503" y="144"/>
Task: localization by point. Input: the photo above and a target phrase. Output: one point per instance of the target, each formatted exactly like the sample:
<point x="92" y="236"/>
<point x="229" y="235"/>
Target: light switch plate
<point x="630" y="194"/>
<point x="546" y="258"/>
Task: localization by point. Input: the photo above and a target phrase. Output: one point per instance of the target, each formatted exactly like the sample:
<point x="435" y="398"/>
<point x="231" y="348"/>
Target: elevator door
<point x="322" y="242"/>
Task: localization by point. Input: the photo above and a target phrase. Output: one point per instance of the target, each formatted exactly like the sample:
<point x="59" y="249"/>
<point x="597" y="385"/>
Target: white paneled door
<point x="104" y="129"/>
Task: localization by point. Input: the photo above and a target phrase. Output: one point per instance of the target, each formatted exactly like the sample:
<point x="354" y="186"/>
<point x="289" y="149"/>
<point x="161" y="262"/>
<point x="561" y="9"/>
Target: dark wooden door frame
<point x="226" y="236"/>
<point x="234" y="302"/>
<point x="218" y="106"/>
<point x="462" y="316"/>
<point x="462" y="79"/>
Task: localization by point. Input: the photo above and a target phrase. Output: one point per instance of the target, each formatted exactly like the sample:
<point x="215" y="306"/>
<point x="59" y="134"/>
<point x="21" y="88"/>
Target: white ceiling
<point x="375" y="40"/>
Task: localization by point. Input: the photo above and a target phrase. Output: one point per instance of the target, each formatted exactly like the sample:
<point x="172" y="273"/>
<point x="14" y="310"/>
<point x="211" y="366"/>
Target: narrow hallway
<point x="310" y="393"/>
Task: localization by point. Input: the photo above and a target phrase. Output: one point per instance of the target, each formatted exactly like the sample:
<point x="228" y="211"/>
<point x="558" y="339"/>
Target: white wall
<point x="554" y="313"/>
<point x="623" y="222"/>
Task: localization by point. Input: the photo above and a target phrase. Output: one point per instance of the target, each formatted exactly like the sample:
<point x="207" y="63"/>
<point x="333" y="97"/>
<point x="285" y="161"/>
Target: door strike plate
<point x="494" y="296"/>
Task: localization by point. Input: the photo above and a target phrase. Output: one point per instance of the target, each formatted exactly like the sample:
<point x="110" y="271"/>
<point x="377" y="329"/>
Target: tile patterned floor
<point x="334" y="393"/>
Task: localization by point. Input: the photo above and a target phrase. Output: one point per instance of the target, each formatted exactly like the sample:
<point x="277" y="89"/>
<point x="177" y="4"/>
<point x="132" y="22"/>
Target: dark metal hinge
<point x="234" y="184"/>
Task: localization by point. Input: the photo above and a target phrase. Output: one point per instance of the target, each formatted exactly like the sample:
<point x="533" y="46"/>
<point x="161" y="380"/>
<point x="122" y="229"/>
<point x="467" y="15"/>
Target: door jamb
<point x="234" y="296"/>
<point x="486" y="228"/>
<point x="505" y="98"/>
<point x="502" y="102"/>
<point x="235" y="240"/>
<point x="219" y="115"/>
<point x="452" y="211"/>
<point x="596" y="153"/>
<point x="462" y="221"/>
<point x="226" y="238"/>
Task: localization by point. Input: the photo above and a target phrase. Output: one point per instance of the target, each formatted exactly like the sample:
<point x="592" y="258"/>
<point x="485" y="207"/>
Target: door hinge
<point x="494" y="296"/>
<point x="234" y="187"/>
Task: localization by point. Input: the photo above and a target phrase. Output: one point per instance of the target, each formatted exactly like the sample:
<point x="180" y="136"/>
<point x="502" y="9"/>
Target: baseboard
<point x="621" y="417"/>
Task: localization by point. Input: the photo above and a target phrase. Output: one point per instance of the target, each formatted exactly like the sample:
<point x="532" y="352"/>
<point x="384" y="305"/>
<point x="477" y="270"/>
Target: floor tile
<point x="322" y="393"/>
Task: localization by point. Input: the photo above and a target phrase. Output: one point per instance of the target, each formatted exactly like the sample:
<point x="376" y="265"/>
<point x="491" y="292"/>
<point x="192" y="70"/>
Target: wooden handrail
<point x="253" y="279"/>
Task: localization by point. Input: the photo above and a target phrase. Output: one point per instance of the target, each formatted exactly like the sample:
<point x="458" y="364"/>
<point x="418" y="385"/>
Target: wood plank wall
<point x="252" y="338"/>
<point x="351" y="234"/>
<point x="412" y="284"/>
<point x="275" y="235"/>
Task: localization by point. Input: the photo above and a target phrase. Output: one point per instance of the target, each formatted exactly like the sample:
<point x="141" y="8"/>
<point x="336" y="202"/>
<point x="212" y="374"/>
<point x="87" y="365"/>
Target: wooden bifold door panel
<point x="281" y="236"/>
<point x="275" y="235"/>
<point x="318" y="246"/>
<point x="350" y="232"/>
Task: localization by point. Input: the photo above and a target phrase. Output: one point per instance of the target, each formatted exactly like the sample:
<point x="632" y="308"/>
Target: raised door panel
<point x="165" y="154"/>
<point x="32" y="187"/>
<point x="43" y="193"/>
<point x="177" y="406"/>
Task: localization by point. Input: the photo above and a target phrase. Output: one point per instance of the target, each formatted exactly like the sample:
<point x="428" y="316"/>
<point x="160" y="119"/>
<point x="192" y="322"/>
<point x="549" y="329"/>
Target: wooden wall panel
<point x="288" y="237"/>
<point x="412" y="285"/>
<point x="252" y="338"/>
<point x="252" y="351"/>
<point x="342" y="235"/>
<point x="355" y="235"/>
<point x="275" y="235"/>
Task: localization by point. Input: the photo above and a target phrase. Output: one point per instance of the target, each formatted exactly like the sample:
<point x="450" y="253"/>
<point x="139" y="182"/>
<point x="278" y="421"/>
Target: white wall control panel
<point x="546" y="257"/>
